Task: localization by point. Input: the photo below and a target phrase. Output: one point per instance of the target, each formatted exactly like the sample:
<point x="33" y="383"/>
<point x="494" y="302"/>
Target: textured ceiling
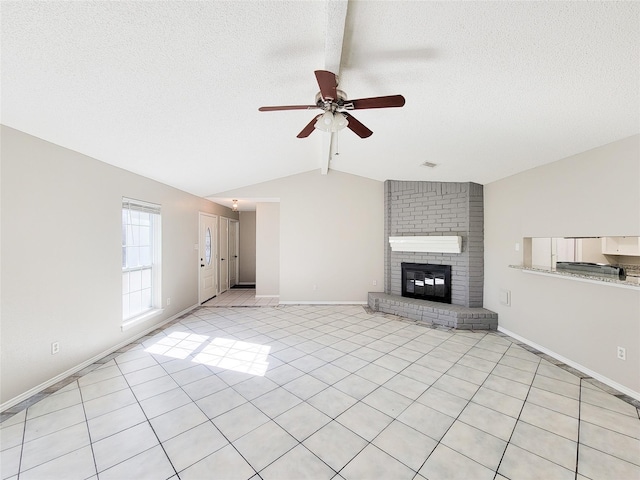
<point x="171" y="90"/>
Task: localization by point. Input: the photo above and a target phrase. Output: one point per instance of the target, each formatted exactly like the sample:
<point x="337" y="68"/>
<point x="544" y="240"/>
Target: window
<point x="140" y="259"/>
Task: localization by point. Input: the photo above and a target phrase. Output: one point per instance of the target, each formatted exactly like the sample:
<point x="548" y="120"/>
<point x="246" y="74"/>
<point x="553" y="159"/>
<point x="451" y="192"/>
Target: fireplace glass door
<point x="426" y="282"/>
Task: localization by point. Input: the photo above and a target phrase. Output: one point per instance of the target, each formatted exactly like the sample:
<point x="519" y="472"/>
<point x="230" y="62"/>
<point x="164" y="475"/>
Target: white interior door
<point x="208" y="286"/>
<point x="234" y="229"/>
<point x="224" y="254"/>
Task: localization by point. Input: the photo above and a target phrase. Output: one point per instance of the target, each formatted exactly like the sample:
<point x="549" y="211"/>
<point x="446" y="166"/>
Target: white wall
<point x="591" y="194"/>
<point x="331" y="235"/>
<point x="268" y="249"/>
<point x="247" y="247"/>
<point x="61" y="257"/>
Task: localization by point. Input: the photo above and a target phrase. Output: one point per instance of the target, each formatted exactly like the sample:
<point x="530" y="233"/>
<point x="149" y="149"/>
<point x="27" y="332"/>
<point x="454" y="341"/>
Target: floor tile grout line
<point x="516" y="424"/>
<point x="20" y="471"/>
<point x="84" y="410"/>
<point x="518" y="420"/>
<point x="579" y="427"/>
<point x="24" y="433"/>
<point x="209" y="420"/>
<point x="615" y="455"/>
<point x="439" y="441"/>
<point x="148" y="423"/>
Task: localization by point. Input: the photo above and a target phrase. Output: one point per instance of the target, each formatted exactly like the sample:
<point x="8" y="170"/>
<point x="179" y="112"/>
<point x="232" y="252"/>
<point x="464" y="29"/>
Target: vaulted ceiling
<point x="171" y="90"/>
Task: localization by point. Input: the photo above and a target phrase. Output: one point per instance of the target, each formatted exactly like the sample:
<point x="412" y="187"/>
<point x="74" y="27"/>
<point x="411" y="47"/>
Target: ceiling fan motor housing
<point x="332" y="105"/>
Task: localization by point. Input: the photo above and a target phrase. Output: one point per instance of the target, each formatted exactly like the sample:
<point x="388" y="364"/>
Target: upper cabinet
<point x="621" y="246"/>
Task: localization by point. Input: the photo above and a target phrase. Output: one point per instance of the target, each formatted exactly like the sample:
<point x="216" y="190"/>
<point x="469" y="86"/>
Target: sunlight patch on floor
<point x="223" y="353"/>
<point x="235" y="355"/>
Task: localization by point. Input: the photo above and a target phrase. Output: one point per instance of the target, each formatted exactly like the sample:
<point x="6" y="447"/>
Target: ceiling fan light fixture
<point x="331" y="122"/>
<point x="339" y="122"/>
<point x="325" y="122"/>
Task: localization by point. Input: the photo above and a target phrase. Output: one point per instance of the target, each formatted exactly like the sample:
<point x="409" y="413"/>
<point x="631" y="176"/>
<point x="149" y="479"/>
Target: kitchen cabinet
<point x="621" y="246"/>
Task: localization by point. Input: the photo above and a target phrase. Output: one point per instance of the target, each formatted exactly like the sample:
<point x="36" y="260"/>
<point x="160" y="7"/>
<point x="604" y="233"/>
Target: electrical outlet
<point x="622" y="353"/>
<point x="168" y="301"/>
<point x="375" y="282"/>
<point x="55" y="348"/>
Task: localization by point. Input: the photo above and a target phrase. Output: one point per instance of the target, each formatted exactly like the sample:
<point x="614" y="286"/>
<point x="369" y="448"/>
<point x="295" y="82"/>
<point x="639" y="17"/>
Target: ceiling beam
<point x="336" y="19"/>
<point x="334" y="40"/>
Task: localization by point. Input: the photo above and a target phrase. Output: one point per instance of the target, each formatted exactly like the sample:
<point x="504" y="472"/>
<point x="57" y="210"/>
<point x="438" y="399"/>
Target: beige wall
<point x="592" y="250"/>
<point x="247" y="247"/>
<point x="267" y="249"/>
<point x="61" y="257"/>
<point x="591" y="194"/>
<point x="331" y="235"/>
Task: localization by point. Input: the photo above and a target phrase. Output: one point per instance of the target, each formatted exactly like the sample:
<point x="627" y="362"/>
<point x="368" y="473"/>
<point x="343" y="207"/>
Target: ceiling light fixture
<point x="331" y="122"/>
<point x="234" y="205"/>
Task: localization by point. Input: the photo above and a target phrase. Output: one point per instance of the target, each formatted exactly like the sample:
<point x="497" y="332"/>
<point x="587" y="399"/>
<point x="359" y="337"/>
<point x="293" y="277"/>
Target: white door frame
<point x="235" y="225"/>
<point x="223" y="284"/>
<point x="214" y="252"/>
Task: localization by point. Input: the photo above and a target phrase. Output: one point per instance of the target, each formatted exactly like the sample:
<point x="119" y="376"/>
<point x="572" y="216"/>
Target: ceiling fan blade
<point x="378" y="102"/>
<point x="328" y="82"/>
<point x="306" y="131"/>
<point x="356" y="127"/>
<point x="287" y="107"/>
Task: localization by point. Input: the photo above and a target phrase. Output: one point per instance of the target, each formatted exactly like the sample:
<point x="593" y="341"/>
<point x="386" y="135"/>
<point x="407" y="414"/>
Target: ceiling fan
<point x="336" y="107"/>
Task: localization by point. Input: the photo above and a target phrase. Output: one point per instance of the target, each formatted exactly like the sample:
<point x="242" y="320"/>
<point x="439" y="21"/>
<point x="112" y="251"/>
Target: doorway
<point x="234" y="249"/>
<point x="224" y="254"/>
<point x="207" y="278"/>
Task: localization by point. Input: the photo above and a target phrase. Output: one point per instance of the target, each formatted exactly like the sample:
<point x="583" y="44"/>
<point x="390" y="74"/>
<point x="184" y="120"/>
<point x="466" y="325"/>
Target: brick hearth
<point x="454" y="316"/>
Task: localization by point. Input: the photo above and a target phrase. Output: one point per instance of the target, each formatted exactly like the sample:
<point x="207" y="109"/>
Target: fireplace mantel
<point x="430" y="244"/>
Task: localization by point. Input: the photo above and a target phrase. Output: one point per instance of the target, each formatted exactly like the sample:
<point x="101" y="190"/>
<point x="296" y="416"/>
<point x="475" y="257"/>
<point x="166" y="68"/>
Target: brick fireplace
<point x="437" y="209"/>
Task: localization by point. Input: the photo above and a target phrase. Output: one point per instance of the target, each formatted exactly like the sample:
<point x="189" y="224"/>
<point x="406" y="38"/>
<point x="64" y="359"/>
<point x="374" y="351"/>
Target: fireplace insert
<point x="426" y="281"/>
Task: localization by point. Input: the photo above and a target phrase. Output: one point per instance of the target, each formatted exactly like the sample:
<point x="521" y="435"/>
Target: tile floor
<point x="322" y="392"/>
<point x="240" y="297"/>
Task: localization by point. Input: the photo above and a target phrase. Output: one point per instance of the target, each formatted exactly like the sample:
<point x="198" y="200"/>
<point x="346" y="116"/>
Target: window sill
<point x="132" y="322"/>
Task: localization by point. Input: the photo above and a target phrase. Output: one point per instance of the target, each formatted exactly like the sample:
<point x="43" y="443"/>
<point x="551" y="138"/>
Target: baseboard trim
<point x="37" y="389"/>
<point x="318" y="302"/>
<point x="607" y="381"/>
<point x="267" y="296"/>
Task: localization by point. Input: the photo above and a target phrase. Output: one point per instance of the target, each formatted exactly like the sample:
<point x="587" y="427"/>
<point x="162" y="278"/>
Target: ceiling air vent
<point x="428" y="164"/>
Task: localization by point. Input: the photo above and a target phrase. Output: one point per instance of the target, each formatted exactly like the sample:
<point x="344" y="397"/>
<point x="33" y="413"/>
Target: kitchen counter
<point x="629" y="282"/>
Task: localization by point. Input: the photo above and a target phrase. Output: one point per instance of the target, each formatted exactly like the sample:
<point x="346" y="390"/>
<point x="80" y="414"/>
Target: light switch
<point x="517" y="247"/>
